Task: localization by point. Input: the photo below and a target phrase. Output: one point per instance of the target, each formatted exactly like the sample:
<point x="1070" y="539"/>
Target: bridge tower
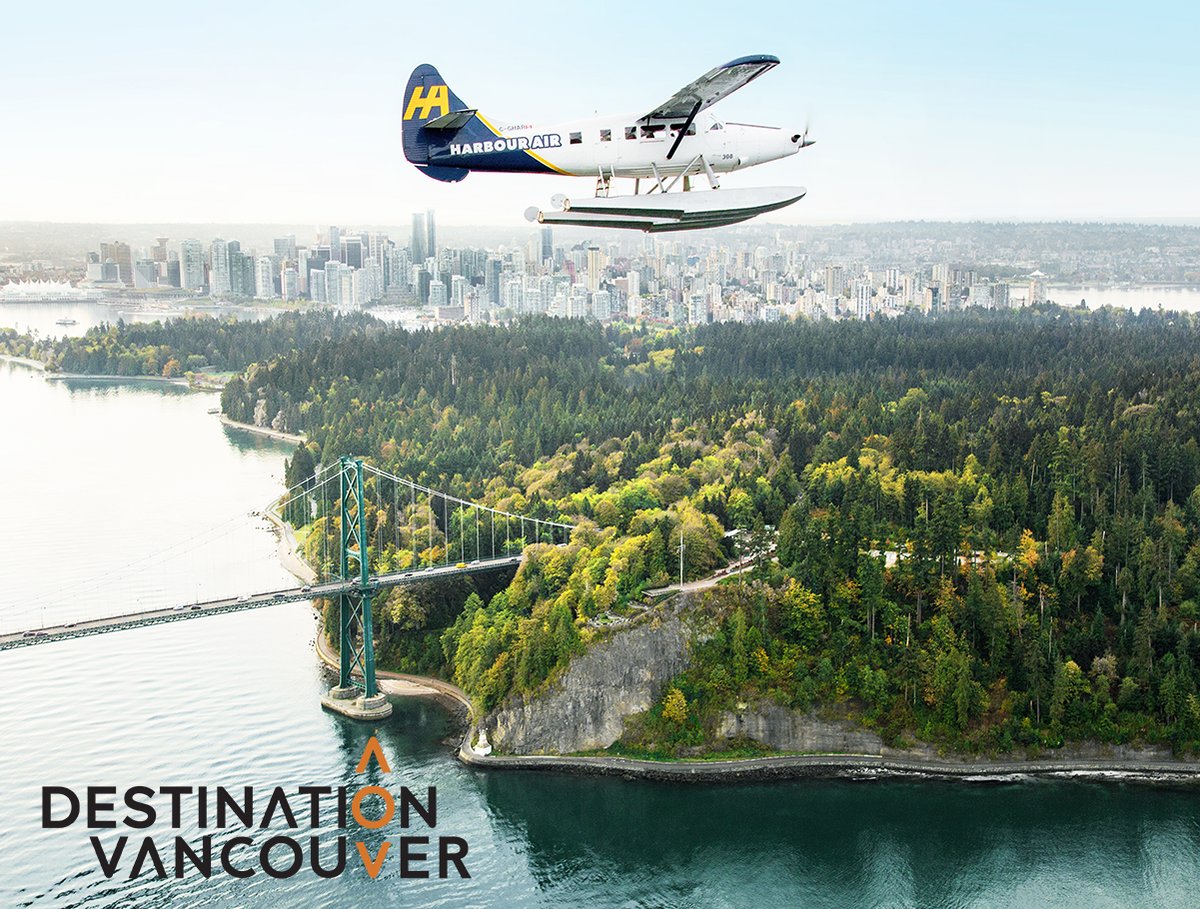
<point x="354" y="607"/>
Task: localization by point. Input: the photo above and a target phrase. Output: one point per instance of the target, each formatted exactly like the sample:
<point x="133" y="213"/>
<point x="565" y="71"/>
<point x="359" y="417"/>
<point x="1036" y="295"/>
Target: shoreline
<point x="864" y="767"/>
<point x="23" y="361"/>
<point x="276" y="434"/>
<point x="67" y="376"/>
<point x="402" y="684"/>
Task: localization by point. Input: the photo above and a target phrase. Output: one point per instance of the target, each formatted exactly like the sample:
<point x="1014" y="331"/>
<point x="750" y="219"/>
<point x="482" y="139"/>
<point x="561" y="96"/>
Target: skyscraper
<point x="491" y="282"/>
<point x="264" y="279"/>
<point x="218" y="275"/>
<point x="547" y="244"/>
<point x="419" y="238"/>
<point x="285" y="247"/>
<point x="352" y="251"/>
<point x="335" y="243"/>
<point x="159" y="251"/>
<point x="289" y="283"/>
<point x="430" y="236"/>
<point x="121" y="257"/>
<point x="191" y="264"/>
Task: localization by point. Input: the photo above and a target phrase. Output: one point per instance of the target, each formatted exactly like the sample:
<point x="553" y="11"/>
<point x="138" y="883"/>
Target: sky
<point x="290" y="112"/>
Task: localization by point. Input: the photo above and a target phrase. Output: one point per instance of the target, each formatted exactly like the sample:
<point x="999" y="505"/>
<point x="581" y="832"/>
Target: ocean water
<point x="100" y="481"/>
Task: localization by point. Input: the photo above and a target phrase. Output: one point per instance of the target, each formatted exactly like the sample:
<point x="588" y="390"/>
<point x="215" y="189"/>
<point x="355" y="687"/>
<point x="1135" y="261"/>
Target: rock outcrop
<point x="782" y="729"/>
<point x="585" y="707"/>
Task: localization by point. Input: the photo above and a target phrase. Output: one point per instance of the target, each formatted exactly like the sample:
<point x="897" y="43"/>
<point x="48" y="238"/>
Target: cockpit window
<point x="715" y="126"/>
<point x="651" y="130"/>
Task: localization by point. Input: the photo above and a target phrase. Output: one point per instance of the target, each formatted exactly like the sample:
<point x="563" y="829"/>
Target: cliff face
<point x="789" y="730"/>
<point x="584" y="708"/>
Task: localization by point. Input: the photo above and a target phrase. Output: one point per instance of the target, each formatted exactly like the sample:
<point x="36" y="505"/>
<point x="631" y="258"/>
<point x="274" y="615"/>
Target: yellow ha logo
<point x="438" y="96"/>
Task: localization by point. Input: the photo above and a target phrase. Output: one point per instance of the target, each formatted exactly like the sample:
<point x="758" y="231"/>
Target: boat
<point x="66" y="321"/>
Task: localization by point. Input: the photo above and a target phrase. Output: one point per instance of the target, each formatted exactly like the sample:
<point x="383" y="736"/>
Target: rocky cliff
<point x="782" y="729"/>
<point x="585" y="707"/>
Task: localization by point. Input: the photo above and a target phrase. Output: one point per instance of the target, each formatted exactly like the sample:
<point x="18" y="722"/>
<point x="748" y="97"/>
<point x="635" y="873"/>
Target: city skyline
<point x="1028" y="113"/>
<point x="692" y="278"/>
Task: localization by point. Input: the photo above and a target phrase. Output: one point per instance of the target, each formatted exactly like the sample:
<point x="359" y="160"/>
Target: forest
<point x="980" y="530"/>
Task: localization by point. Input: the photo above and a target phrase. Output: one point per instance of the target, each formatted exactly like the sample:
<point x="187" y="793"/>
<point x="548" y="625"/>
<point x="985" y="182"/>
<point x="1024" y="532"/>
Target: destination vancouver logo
<point x="369" y="813"/>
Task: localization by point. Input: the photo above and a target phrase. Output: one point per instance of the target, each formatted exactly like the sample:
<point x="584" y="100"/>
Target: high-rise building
<point x="159" y="251"/>
<point x="264" y="279"/>
<point x="835" y="280"/>
<point x="416" y="245"/>
<point x="1000" y="295"/>
<point x="289" y="283"/>
<point x="431" y="250"/>
<point x="335" y="243"/>
<point x="169" y="272"/>
<point x="119" y="253"/>
<point x="601" y="306"/>
<point x="577" y="302"/>
<point x="333" y="285"/>
<point x="862" y="300"/>
<point x="595" y="267"/>
<point x="437" y="293"/>
<point x="316" y="285"/>
<point x="145" y="274"/>
<point x="242" y="279"/>
<point x="285" y="248"/>
<point x="1037" y="288"/>
<point x="491" y="282"/>
<point x="547" y="245"/>
<point x="191" y="264"/>
<point x="219" y="281"/>
<point x="352" y="251"/>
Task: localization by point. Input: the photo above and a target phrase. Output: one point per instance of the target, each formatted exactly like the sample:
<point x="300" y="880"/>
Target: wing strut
<point x="683" y="132"/>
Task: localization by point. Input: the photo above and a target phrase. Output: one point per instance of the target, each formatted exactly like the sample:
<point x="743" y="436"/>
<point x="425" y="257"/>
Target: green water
<point x="95" y="476"/>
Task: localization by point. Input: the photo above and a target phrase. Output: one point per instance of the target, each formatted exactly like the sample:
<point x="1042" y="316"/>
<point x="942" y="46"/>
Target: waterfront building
<point x="289" y="283"/>
<point x="264" y="278"/>
<point x="219" y="276"/>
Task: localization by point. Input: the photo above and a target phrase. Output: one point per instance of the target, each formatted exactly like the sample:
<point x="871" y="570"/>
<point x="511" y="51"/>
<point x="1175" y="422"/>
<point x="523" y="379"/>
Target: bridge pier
<point x="354" y="609"/>
<point x="353" y="702"/>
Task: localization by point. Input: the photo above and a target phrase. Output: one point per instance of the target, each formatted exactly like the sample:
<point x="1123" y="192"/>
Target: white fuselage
<point x="623" y="146"/>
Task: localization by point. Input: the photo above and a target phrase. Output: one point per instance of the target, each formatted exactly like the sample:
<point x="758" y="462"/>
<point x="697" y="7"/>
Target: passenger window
<point x="576" y="138"/>
<point x="606" y="135"/>
<point x="631" y="132"/>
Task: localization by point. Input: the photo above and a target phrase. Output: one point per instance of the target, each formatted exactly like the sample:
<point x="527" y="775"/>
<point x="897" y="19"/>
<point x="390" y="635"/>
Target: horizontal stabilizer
<point x="454" y="120"/>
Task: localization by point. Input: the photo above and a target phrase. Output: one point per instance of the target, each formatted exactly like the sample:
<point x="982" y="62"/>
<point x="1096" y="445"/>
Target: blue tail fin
<point x="428" y="98"/>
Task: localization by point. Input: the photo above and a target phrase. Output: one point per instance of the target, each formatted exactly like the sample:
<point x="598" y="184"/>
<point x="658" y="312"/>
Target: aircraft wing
<point x="713" y="86"/>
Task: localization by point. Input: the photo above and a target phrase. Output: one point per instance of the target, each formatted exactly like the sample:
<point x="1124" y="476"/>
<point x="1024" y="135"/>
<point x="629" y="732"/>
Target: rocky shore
<point x="846" y="767"/>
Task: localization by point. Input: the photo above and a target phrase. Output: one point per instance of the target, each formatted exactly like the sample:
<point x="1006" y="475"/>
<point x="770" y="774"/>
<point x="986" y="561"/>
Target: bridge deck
<point x="185" y="611"/>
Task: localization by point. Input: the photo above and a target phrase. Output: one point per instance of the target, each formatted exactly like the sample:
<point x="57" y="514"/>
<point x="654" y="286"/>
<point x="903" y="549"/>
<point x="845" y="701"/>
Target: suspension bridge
<point x="359" y="530"/>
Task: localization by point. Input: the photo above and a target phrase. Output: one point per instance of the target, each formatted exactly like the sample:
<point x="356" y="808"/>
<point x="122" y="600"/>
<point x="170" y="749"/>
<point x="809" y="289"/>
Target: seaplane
<point x="664" y="149"/>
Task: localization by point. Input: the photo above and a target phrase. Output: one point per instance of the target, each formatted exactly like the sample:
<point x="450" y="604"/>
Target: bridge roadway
<point x="185" y="611"/>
